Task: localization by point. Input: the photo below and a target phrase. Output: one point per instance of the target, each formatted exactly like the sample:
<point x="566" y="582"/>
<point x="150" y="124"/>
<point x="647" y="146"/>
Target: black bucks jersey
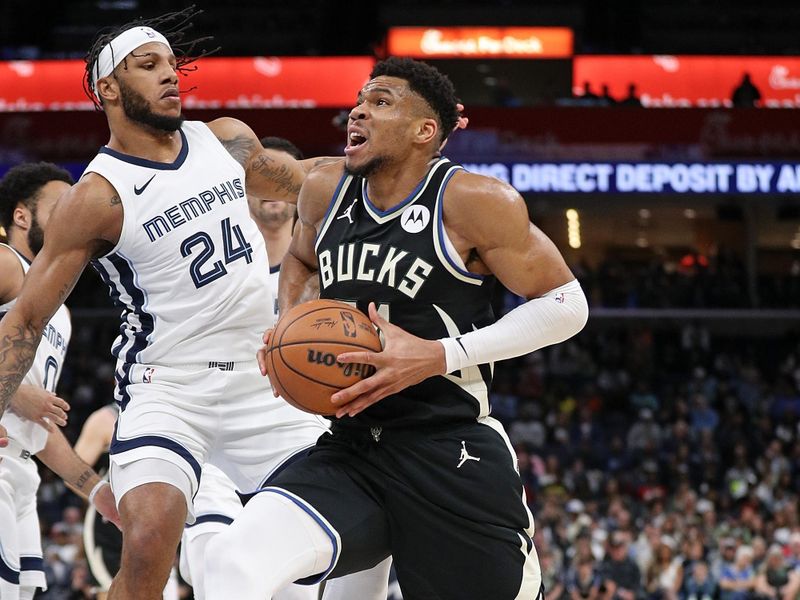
<point x="402" y="260"/>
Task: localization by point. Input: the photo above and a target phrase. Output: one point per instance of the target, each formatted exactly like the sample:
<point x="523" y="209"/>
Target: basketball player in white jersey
<point x="28" y="194"/>
<point x="163" y="214"/>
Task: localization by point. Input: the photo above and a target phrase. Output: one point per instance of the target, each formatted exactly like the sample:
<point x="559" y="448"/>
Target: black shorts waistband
<point x="380" y="432"/>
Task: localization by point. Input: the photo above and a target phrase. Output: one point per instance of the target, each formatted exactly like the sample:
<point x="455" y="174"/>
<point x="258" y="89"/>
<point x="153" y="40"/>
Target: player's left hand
<point x="40" y="406"/>
<point x="405" y="361"/>
<point x="107" y="506"/>
<point x="461" y="123"/>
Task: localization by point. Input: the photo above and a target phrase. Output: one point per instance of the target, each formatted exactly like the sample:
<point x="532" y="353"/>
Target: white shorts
<point x="216" y="504"/>
<point x="190" y="416"/>
<point x="20" y="539"/>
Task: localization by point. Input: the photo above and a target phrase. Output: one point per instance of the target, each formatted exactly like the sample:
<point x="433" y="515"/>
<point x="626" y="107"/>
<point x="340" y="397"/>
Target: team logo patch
<point x="147" y="377"/>
<point x="415" y="218"/>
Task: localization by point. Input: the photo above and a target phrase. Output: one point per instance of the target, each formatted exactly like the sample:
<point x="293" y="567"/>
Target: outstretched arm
<point x="96" y="434"/>
<point x="80" y="477"/>
<point x="269" y="173"/>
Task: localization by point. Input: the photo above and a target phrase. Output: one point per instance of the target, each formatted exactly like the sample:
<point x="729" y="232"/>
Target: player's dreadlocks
<point x="174" y="26"/>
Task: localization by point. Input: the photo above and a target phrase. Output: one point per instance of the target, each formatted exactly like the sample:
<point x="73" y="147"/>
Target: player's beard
<point x="367" y="169"/>
<point x="35" y="235"/>
<point x="276" y="219"/>
<point x="136" y="109"/>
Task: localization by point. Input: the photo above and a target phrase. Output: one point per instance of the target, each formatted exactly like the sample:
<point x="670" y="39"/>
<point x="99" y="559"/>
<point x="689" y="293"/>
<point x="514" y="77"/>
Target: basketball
<point x="301" y="356"/>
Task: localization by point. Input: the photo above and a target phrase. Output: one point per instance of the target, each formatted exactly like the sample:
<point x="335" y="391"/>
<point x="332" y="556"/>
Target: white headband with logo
<point x="117" y="49"/>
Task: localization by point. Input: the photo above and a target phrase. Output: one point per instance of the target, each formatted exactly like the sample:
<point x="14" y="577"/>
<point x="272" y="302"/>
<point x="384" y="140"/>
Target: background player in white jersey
<point x="102" y="540"/>
<point x="414" y="465"/>
<point x="162" y="212"/>
<point x="28" y="194"/>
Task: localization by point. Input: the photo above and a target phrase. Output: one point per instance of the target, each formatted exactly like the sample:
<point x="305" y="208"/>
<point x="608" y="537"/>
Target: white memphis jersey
<point x="190" y="270"/>
<point x="44" y="372"/>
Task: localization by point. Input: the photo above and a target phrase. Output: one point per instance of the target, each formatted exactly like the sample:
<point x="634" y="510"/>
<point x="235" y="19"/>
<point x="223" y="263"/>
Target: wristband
<point x="96" y="489"/>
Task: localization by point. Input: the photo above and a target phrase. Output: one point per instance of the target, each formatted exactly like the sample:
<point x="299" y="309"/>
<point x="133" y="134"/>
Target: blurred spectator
<point x="606" y="98"/>
<point x="645" y="432"/>
<point x="588" y="94"/>
<point x="583" y="581"/>
<point x="737" y="581"/>
<point x="632" y="99"/>
<point x="746" y="94"/>
<point x="699" y="584"/>
<point x="776" y="580"/>
<point x="621" y="579"/>
<point x="665" y="575"/>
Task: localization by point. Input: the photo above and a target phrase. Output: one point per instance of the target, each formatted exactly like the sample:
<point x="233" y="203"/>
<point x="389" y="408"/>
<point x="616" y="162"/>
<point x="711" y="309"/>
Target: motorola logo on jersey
<point x="415" y="218"/>
<point x="368" y="262"/>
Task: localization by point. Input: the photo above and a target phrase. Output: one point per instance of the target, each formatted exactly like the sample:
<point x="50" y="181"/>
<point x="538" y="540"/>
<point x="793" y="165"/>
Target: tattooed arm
<point x="270" y="173"/>
<point x="84" y="222"/>
<point x="80" y="477"/>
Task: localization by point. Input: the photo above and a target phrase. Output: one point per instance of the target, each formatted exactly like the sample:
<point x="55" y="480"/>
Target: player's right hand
<point x="107" y="506"/>
<point x="40" y="406"/>
<point x="3" y="437"/>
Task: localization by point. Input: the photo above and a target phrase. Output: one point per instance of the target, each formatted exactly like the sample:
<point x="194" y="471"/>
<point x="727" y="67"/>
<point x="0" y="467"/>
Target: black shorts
<point x="445" y="502"/>
<point x="103" y="546"/>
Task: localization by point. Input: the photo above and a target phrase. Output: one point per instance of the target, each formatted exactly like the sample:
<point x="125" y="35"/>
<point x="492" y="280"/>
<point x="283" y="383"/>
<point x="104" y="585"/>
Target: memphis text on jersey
<point x="55" y="338"/>
<point x="369" y="262"/>
<point x="183" y="212"/>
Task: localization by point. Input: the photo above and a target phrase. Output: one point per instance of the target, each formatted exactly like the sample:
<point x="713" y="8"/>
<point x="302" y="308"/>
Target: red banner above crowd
<point x="480" y="42"/>
<point x="254" y="82"/>
<point x="677" y="81"/>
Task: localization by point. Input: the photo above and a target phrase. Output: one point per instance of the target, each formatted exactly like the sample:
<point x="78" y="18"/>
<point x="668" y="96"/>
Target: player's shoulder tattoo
<point x="240" y="147"/>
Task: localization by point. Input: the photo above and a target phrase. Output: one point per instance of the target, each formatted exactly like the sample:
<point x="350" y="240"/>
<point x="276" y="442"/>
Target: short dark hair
<point x="428" y="82"/>
<point x="279" y="143"/>
<point x="173" y="26"/>
<point x="21" y="185"/>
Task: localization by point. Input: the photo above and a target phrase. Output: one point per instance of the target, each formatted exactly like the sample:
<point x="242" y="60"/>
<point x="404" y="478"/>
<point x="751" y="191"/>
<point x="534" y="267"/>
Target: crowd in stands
<point x="658" y="464"/>
<point x="690" y="281"/>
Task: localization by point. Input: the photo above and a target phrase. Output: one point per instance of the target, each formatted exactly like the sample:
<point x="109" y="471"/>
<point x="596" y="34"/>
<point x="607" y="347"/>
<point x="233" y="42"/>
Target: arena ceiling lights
<point x="480" y="42"/>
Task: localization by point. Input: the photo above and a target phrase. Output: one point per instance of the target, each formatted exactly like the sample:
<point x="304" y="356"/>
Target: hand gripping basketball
<point x="301" y="353"/>
<point x="405" y="361"/>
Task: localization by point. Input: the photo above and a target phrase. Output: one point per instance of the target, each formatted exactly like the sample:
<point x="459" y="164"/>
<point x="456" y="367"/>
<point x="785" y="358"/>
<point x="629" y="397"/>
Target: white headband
<point x="117" y="49"/>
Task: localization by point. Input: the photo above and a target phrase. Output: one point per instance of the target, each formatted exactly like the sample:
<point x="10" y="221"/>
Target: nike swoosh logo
<point x="458" y="339"/>
<point x="139" y="190"/>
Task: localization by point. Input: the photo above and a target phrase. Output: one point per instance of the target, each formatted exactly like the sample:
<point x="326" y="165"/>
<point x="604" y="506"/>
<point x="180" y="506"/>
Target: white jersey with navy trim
<point x="190" y="270"/>
<point x="44" y="372"/>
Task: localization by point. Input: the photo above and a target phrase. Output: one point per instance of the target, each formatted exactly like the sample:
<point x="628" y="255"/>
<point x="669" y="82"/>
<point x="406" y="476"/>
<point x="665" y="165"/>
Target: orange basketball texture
<point x="301" y="357"/>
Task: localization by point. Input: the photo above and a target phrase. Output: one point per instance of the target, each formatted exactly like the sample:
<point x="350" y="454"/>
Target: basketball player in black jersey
<point x="414" y="465"/>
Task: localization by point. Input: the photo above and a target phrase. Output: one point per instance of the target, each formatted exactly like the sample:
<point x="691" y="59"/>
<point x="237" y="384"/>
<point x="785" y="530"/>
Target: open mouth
<point x="355" y="140"/>
<point x="170" y="94"/>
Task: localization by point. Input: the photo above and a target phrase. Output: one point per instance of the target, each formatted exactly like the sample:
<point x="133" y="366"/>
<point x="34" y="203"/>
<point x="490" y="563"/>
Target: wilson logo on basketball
<point x="321" y="358"/>
<point x="328" y="359"/>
